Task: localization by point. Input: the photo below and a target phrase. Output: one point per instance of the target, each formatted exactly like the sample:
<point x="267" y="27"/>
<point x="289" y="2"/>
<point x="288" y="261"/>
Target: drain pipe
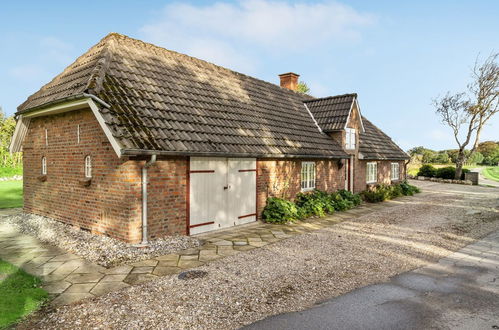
<point x="144" y="199"/>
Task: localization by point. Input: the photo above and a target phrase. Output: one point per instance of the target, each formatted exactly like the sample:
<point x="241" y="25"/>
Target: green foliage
<point x="383" y="192"/>
<point x="7" y="127"/>
<point x="490" y="152"/>
<point x="448" y="172"/>
<point x="307" y="204"/>
<point x="7" y="172"/>
<point x="279" y="210"/>
<point x="20" y="294"/>
<point x="302" y="88"/>
<point x="11" y="194"/>
<point x="409" y="190"/>
<point x="427" y="171"/>
<point x="348" y="195"/>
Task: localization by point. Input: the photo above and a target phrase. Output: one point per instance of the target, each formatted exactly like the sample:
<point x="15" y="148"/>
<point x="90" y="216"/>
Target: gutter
<point x="144" y="200"/>
<point x="141" y="152"/>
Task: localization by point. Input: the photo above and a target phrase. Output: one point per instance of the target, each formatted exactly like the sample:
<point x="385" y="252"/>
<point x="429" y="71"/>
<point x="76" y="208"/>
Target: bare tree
<point x="466" y="113"/>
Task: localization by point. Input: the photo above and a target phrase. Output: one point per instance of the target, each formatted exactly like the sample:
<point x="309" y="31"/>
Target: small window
<point x="350" y="138"/>
<point x="307" y="176"/>
<point x="46" y="137"/>
<point x="78" y="134"/>
<point x="88" y="167"/>
<point x="372" y="172"/>
<point x="395" y="171"/>
<point x="44" y="165"/>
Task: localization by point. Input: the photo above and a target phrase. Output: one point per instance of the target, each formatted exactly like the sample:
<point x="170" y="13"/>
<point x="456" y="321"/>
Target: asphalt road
<point x="459" y="292"/>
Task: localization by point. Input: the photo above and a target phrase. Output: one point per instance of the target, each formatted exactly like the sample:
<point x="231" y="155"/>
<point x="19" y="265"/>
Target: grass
<point x="20" y="294"/>
<point x="491" y="173"/>
<point x="7" y="172"/>
<point x="11" y="194"/>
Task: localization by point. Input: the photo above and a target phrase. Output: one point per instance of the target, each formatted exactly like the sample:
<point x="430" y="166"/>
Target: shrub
<point x="279" y="210"/>
<point x="313" y="203"/>
<point x="348" y="195"/>
<point x="427" y="170"/>
<point x="448" y="172"/>
<point x="408" y="190"/>
<point x="339" y="203"/>
<point x="383" y="192"/>
<point x="373" y="196"/>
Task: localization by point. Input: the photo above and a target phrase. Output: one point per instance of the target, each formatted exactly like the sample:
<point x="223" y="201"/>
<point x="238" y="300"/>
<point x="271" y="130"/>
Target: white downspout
<point x="144" y="199"/>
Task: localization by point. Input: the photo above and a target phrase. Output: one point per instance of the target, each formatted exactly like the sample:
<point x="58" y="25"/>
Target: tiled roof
<point x="331" y="113"/>
<point x="168" y="102"/>
<point x="374" y="144"/>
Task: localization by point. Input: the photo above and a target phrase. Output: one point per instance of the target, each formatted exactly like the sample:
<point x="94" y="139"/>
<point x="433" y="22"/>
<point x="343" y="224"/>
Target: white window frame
<point x="395" y="171"/>
<point x="44" y="165"/>
<point x="88" y="167"/>
<point x="46" y="137"/>
<point x="350" y="138"/>
<point x="372" y="172"/>
<point x="308" y="175"/>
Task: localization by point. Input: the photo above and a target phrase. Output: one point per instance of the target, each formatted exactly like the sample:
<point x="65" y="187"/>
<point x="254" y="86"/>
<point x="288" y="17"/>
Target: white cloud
<point x="224" y="31"/>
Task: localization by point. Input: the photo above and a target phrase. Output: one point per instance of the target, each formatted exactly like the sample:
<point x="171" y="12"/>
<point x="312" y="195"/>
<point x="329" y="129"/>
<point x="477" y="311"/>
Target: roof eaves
<point x="139" y="152"/>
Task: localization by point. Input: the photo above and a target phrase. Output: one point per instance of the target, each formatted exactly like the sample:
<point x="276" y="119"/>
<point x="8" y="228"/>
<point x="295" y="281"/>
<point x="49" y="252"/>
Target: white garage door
<point x="222" y="193"/>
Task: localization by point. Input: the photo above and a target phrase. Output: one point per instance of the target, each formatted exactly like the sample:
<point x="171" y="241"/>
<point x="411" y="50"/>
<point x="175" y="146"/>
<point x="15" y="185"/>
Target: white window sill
<point x="307" y="189"/>
<point x="371" y="182"/>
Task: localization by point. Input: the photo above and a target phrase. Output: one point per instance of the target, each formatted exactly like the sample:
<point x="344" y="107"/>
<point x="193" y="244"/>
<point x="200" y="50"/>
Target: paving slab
<point x="80" y="288"/>
<point x="84" y="278"/>
<point x="105" y="287"/>
<point x="69" y="298"/>
<point x="163" y="271"/>
<point x="114" y="278"/>
<point x="56" y="287"/>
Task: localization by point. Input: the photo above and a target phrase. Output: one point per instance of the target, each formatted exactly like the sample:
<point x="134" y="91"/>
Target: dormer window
<point x="350" y="138"/>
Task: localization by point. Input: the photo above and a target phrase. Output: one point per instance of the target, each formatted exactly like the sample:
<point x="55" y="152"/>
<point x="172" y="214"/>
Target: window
<point x="307" y="176"/>
<point x="78" y="134"/>
<point x="395" y="174"/>
<point x="350" y="138"/>
<point x="88" y="167"/>
<point x="46" y="137"/>
<point x="372" y="172"/>
<point x="44" y="165"/>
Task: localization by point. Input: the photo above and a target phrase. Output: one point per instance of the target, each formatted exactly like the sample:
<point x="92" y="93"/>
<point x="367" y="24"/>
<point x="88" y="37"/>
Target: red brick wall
<point x="110" y="205"/>
<point x="167" y="197"/>
<point x="384" y="173"/>
<point x="282" y="178"/>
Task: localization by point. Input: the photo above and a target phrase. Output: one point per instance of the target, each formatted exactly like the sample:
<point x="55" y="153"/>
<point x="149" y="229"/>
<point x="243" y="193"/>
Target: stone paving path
<point x="69" y="278"/>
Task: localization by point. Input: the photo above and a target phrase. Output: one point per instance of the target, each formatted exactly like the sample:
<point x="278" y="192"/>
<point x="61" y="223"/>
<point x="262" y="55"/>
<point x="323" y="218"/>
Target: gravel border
<point x="100" y="249"/>
<point x="293" y="274"/>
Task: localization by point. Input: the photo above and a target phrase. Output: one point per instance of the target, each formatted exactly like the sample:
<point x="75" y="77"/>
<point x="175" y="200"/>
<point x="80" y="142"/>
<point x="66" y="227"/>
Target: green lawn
<point x="11" y="194"/>
<point x="20" y="294"/>
<point x="7" y="172"/>
<point x="491" y="173"/>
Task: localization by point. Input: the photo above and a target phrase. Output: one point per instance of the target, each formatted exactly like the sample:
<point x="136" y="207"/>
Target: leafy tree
<point x="7" y="127"/>
<point x="475" y="158"/>
<point x="466" y="113"/>
<point x="302" y="87"/>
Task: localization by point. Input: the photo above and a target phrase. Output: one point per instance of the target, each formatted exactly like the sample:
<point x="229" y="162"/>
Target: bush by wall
<point x="279" y="210"/>
<point x="383" y="192"/>
<point x="307" y="204"/>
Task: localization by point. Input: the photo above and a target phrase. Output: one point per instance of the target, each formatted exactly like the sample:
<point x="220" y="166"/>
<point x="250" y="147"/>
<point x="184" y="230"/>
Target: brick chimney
<point x="289" y="80"/>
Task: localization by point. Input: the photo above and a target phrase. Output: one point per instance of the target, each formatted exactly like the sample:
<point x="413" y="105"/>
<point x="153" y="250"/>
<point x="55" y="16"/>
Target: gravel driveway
<point x="296" y="273"/>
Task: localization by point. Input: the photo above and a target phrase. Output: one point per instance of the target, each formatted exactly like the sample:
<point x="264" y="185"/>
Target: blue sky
<point x="396" y="55"/>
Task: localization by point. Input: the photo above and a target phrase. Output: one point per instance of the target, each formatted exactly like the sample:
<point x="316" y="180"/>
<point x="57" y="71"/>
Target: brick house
<point x="136" y="142"/>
